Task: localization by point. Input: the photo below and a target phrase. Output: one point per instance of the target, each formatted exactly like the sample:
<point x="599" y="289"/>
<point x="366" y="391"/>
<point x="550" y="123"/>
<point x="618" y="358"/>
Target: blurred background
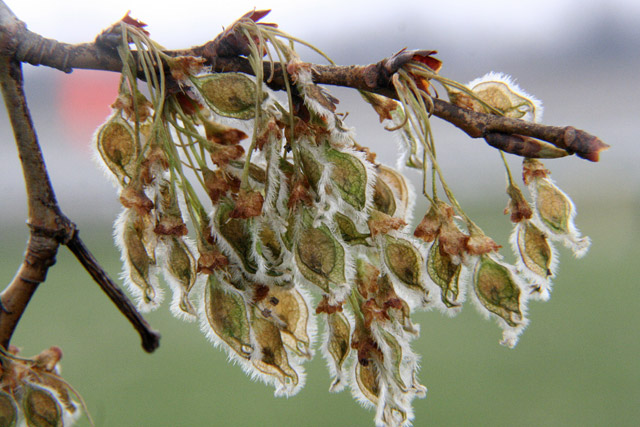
<point x="576" y="364"/>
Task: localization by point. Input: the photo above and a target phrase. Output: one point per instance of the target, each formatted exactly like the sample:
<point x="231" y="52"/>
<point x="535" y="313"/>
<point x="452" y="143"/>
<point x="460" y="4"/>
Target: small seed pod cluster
<point x="32" y="392"/>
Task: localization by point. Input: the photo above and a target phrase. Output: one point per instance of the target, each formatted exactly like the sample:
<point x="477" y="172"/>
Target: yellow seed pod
<point x="116" y="144"/>
<point x="404" y="261"/>
<point x="534" y="249"/>
<point x="320" y="257"/>
<point x="397" y="183"/>
<point x="227" y="316"/>
<point x="383" y="198"/>
<point x="40" y="407"/>
<point x="8" y="410"/>
<point x="497" y="290"/>
<point x="273" y="359"/>
<point x="445" y="274"/>
<point x="367" y="381"/>
<point x="270" y="240"/>
<point x="61" y="389"/>
<point x="228" y="94"/>
<point x="181" y="267"/>
<point x="338" y="345"/>
<point x="553" y="206"/>
<point x="290" y="308"/>
<point x="500" y="92"/>
<point x="137" y="258"/>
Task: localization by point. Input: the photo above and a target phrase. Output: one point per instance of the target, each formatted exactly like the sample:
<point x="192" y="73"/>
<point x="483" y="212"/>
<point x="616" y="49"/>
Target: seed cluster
<point x="303" y="228"/>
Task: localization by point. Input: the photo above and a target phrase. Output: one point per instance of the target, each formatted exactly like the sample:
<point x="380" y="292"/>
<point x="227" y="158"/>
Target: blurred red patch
<point x="83" y="99"/>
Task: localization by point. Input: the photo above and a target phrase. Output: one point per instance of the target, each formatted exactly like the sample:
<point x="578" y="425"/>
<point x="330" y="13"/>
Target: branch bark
<point x="48" y="225"/>
<point x="224" y="54"/>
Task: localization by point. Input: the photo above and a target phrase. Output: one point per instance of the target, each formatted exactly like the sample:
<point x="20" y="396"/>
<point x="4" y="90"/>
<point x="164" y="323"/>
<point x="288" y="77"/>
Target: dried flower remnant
<point x="302" y="225"/>
<point x="33" y="393"/>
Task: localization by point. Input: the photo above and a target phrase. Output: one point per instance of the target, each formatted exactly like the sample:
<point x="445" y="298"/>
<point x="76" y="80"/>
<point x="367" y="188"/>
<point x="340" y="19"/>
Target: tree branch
<point x="48" y="225"/>
<point x="150" y="338"/>
<point x="226" y="53"/>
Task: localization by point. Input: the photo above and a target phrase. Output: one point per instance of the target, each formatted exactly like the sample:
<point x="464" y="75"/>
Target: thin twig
<point x="150" y="338"/>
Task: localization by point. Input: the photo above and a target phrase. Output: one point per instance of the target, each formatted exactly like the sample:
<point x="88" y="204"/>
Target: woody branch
<point x="227" y="52"/>
<point x="49" y="227"/>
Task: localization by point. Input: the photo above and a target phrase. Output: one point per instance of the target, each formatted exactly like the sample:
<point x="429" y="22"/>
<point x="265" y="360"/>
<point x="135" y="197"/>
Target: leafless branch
<point x="48" y="225"/>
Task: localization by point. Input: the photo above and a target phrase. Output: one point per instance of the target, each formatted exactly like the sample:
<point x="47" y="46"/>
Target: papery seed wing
<point x="228" y="94"/>
<point x="117" y="147"/>
<point x="273" y="359"/>
<point x="338" y="347"/>
<point x="444" y="273"/>
<point x="497" y="291"/>
<point x="8" y="410"/>
<point x="404" y="261"/>
<point x="226" y="315"/>
<point x="320" y="257"/>
<point x="290" y="307"/>
<point x="40" y="407"/>
<point x="235" y="232"/>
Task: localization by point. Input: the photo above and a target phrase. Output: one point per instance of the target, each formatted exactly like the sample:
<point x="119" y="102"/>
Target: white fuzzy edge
<point x="413" y="298"/>
<point x="175" y="286"/>
<point x="138" y="294"/>
<point x="510" y="334"/>
<point x="507" y="80"/>
<point x="340" y="377"/>
<point x="573" y="240"/>
<point x="544" y="283"/>
<point x="286" y="390"/>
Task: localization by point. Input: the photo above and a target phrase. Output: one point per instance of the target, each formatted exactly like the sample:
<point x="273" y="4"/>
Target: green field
<point x="576" y="364"/>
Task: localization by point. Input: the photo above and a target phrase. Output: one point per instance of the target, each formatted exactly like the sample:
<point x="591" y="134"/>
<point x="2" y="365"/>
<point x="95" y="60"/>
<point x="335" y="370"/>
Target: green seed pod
<point x="497" y="290"/>
<point x="273" y="359"/>
<point x="444" y="273"/>
<point x="235" y="232"/>
<point x="367" y="381"/>
<point x="227" y="316"/>
<point x="228" y="94"/>
<point x="41" y="408"/>
<point x="349" y="231"/>
<point x="338" y="345"/>
<point x="383" y="198"/>
<point x="311" y="166"/>
<point x="8" y="410"/>
<point x="393" y="357"/>
<point x="181" y="267"/>
<point x="138" y="260"/>
<point x="534" y="249"/>
<point x="349" y="175"/>
<point x="320" y="257"/>
<point x="405" y="262"/>
<point x="397" y="183"/>
<point x="116" y="143"/>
